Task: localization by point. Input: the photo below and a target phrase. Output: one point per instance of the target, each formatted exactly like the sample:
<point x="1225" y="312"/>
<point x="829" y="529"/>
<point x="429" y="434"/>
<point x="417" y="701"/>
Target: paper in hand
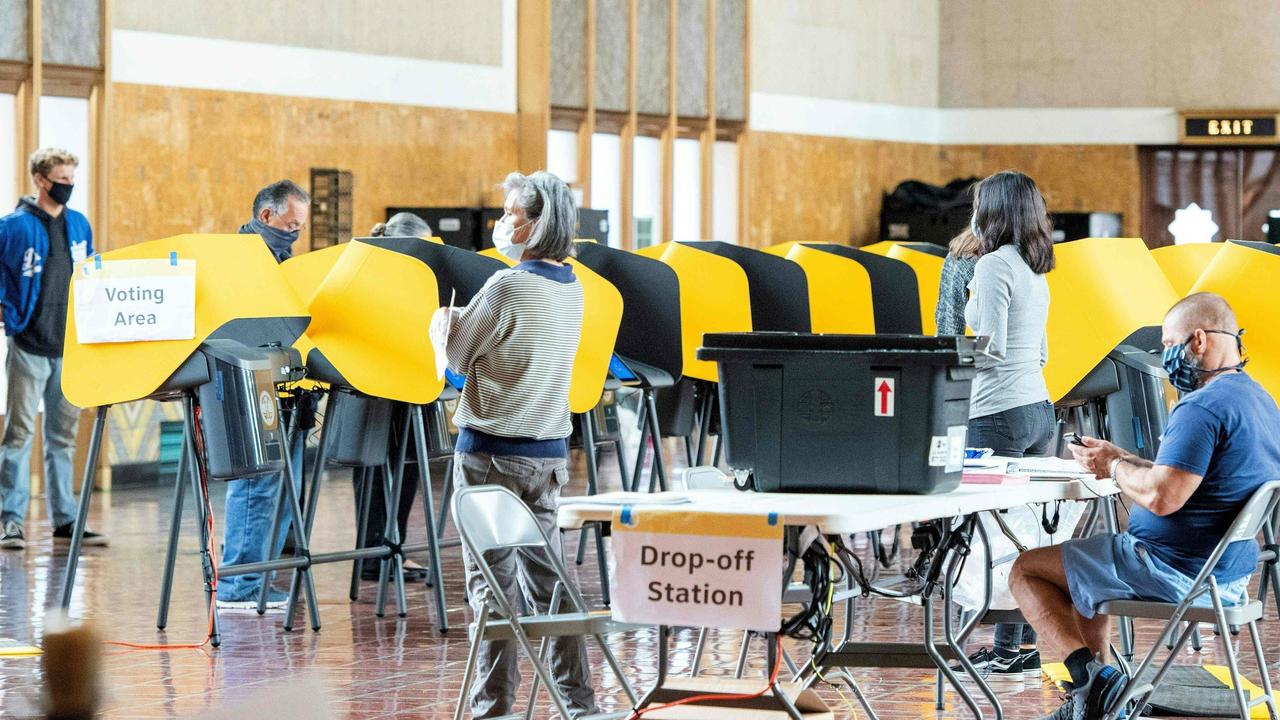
<point x="441" y="326"/>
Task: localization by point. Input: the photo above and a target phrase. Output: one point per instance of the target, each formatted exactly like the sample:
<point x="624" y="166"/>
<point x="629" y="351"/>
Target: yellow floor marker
<point x="1184" y="264"/>
<point x="1102" y="291"/>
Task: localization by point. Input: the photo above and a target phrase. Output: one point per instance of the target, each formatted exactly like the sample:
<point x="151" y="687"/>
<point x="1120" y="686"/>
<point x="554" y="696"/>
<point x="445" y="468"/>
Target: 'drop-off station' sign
<point x="134" y="300"/>
<point x="706" y="570"/>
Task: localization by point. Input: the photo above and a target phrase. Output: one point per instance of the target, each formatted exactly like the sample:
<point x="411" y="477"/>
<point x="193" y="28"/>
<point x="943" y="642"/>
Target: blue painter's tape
<point x="173" y="259"/>
<point x="97" y="261"/>
<point x="773" y="518"/>
<point x="625" y="515"/>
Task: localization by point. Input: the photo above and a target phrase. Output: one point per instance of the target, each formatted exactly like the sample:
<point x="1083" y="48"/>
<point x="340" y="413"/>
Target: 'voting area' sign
<point x="705" y="570"/>
<point x="135" y="300"/>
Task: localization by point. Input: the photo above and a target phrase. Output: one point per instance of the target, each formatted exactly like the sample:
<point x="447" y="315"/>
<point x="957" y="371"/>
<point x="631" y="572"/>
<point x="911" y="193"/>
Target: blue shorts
<point x="1107" y="567"/>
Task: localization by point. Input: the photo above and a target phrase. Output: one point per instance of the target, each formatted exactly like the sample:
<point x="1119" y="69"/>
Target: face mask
<point x="503" y="232"/>
<point x="280" y="241"/>
<point x="1184" y="375"/>
<point x="60" y="192"/>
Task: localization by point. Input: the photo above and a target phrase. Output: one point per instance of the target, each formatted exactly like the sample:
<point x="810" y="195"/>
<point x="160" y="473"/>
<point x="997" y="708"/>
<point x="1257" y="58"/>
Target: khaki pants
<point x="527" y="580"/>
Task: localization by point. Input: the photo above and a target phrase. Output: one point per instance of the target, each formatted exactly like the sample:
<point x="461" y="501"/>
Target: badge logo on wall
<point x="267" y="408"/>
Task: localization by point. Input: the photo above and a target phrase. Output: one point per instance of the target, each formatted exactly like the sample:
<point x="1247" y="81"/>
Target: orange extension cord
<point x="773" y="678"/>
<point x="213" y="561"/>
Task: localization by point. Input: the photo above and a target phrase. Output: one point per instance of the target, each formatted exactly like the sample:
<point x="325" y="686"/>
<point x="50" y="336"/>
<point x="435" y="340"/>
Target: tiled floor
<point x="370" y="667"/>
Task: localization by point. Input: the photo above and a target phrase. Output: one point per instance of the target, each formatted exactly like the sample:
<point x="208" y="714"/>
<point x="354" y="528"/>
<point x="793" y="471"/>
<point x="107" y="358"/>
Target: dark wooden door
<point x="1239" y="185"/>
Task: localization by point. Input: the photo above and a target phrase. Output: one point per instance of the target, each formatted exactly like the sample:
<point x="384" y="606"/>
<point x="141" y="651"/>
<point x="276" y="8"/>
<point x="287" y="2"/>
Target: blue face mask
<point x="1183" y="373"/>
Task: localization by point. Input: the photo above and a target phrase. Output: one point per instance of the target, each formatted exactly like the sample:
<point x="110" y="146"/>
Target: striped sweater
<point x="515" y="343"/>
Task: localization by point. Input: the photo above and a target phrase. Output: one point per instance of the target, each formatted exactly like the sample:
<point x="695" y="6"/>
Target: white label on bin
<point x="955" y="448"/>
<point x="883" y="396"/>
<point x="939" y="449"/>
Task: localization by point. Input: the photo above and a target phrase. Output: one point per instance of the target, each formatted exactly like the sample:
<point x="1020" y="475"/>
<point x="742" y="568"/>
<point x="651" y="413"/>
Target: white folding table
<point x="847" y="514"/>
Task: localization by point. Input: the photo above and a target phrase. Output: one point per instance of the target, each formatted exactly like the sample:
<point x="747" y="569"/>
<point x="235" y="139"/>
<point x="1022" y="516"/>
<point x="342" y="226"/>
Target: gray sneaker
<point x="13" y="538"/>
<point x="1067" y="711"/>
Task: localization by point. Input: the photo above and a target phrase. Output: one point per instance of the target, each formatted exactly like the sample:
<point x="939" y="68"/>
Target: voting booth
<point x="894" y="288"/>
<point x="205" y="320"/>
<point x="839" y="289"/>
<point x="1245" y="274"/>
<point x="1183" y="264"/>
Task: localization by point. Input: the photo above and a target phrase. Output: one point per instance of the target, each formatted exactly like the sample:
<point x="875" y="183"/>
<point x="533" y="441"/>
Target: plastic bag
<point x="1024" y="523"/>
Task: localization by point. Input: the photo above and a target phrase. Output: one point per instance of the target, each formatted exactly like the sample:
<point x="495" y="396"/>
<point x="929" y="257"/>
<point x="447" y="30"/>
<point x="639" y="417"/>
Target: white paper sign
<point x="706" y="570"/>
<point x="134" y="300"/>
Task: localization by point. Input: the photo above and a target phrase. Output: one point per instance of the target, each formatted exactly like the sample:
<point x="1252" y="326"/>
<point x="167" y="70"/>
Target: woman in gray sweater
<point x="1010" y="411"/>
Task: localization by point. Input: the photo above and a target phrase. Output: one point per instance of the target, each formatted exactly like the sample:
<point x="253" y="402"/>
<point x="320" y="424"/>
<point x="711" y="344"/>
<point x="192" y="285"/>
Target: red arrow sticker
<point x="884" y="397"/>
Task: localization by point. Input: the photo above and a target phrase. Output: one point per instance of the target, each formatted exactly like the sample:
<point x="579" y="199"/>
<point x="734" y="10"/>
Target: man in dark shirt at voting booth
<point x="1220" y="445"/>
<point x="40" y="243"/>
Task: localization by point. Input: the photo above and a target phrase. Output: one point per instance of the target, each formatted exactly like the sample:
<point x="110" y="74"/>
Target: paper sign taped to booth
<point x="134" y="300"/>
<point x="706" y="570"/>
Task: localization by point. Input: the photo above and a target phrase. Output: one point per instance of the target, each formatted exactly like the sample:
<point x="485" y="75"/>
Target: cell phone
<point x="1073" y="439"/>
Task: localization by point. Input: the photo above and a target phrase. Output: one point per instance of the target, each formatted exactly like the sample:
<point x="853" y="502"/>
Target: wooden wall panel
<point x="191" y="160"/>
<point x="813" y="188"/>
<point x="1093" y="178"/>
<point x="823" y="189"/>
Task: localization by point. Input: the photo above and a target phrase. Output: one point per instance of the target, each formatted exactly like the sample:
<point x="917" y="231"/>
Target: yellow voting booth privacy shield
<point x="236" y="278"/>
<point x="879" y="248"/>
<point x="305" y="272"/>
<point x="1184" y="264"/>
<point x="840" y="299"/>
<point x="714" y="298"/>
<point x="1102" y="290"/>
<point x="928" y="270"/>
<point x="381" y="353"/>
<point x="1246" y="276"/>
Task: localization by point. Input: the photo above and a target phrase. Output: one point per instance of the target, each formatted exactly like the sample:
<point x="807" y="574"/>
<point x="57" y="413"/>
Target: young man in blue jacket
<point x="40" y="242"/>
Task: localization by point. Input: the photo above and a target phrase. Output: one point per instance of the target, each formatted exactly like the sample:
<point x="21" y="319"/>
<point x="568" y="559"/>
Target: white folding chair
<point x="490" y="517"/>
<point x="1257" y="511"/>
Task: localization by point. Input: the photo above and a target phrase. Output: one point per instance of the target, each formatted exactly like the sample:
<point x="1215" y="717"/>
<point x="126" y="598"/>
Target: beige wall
<point x="880" y="51"/>
<point x="464" y="32"/>
<point x="1104" y="53"/>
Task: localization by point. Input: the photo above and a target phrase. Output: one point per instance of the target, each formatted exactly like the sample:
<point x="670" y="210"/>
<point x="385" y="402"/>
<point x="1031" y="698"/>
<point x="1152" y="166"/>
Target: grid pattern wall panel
<point x="569" y="53"/>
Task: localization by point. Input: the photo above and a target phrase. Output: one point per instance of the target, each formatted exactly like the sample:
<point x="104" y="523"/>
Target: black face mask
<point x="60" y="192"/>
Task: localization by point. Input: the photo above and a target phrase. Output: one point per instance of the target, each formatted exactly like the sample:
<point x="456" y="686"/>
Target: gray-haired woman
<point x="515" y="343"/>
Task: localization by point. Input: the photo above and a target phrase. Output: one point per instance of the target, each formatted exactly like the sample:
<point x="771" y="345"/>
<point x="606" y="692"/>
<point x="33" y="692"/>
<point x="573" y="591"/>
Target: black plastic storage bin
<point x="844" y="413"/>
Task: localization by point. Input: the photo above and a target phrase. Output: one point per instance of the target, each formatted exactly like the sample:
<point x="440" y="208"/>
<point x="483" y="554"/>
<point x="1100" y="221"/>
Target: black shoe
<point x="13" y="538"/>
<point x="62" y="537"/>
<point x="1031" y="665"/>
<point x="1104" y="687"/>
<point x="1001" y="668"/>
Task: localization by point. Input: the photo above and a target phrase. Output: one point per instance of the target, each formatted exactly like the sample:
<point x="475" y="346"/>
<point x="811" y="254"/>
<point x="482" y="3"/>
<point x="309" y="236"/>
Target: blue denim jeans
<point x="247" y="522"/>
<point x="33" y="378"/>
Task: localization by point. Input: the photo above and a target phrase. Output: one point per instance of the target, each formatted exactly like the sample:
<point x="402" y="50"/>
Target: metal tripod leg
<point x="82" y="513"/>
<point x="301" y="528"/>
<point x="175" y="530"/>
<point x="269" y="552"/>
<point x="365" y="488"/>
<point x="704" y="425"/>
<point x="1112" y="521"/>
<point x="424" y="477"/>
<point x="660" y="462"/>
<point x="589" y="440"/>
<point x="641" y="450"/>
<point x="391" y="568"/>
<point x="201" y="495"/>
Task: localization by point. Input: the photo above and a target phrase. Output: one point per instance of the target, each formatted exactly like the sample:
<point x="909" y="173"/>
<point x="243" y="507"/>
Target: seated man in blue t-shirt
<point x="1220" y="446"/>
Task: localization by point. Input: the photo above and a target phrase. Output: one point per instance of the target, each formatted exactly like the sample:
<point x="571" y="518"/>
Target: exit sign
<point x="1228" y="128"/>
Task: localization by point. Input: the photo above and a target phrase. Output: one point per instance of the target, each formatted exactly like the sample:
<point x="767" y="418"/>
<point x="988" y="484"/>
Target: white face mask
<point x="503" y="232"/>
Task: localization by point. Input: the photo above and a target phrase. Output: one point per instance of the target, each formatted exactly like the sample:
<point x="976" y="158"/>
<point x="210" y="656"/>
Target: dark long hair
<point x="1008" y="209"/>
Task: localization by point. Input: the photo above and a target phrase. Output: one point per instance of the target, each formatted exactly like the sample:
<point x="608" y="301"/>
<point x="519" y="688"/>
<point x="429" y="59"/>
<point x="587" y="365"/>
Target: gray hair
<point x="402" y="224"/>
<point x="276" y="196"/>
<point x="549" y="205"/>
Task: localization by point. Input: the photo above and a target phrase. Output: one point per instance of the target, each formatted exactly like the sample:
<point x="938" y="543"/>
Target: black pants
<point x="1016" y="432"/>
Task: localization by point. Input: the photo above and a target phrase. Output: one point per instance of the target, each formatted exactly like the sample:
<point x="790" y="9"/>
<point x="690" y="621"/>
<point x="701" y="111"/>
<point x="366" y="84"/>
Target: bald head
<point x="1199" y="311"/>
